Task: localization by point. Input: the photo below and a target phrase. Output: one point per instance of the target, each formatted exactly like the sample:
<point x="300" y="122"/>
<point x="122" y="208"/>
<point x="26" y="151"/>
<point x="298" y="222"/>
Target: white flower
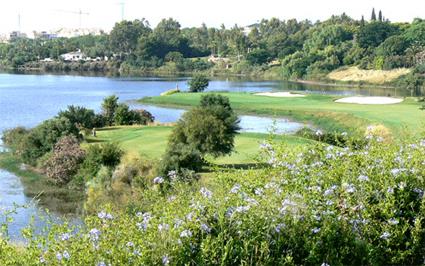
<point x="258" y="191"/>
<point x="349" y="188"/>
<point x="186" y="233"/>
<point x="319" y="133"/>
<point x="393" y="221"/>
<point x="279" y="227"/>
<point x="363" y="178"/>
<point x="177" y="223"/>
<point x="206" y="228"/>
<point x="315" y="230"/>
<point x="158" y="180"/>
<point x="385" y="235"/>
<point x="65" y="236"/>
<point x="325" y="264"/>
<point x="163" y="227"/>
<point x="94" y="234"/>
<point x="165" y="260"/>
<point x="105" y="216"/>
<point x="235" y="189"/>
<point x="66" y="255"/>
<point x="242" y="209"/>
<point x="206" y="193"/>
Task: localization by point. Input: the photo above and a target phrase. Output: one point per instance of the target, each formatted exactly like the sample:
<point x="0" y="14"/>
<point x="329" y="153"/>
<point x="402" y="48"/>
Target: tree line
<point x="300" y="49"/>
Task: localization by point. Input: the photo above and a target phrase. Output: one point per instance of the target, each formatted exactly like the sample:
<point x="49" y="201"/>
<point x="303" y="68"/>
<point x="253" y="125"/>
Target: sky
<point x="55" y="14"/>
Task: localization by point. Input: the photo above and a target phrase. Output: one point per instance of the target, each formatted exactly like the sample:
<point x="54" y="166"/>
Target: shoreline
<point x="211" y="73"/>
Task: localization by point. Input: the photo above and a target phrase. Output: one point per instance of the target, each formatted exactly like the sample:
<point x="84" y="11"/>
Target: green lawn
<point x="151" y="142"/>
<point x="318" y="109"/>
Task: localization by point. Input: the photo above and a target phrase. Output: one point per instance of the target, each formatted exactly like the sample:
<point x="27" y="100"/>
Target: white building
<point x="74" y="56"/>
<point x="247" y="29"/>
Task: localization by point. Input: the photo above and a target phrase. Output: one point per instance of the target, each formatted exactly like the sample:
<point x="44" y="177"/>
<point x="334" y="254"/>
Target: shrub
<point x="64" y="161"/>
<point x="109" y="106"/>
<point x="80" y="116"/>
<point x="146" y="117"/>
<point x="198" y="83"/>
<point x="13" y="137"/>
<point x="42" y="138"/>
<point x="180" y="156"/>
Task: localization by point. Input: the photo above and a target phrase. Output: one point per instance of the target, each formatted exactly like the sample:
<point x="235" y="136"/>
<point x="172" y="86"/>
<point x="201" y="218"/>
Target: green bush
<point x="13" y="137"/>
<point x="80" y="116"/>
<point x="42" y="138"/>
<point x="198" y="83"/>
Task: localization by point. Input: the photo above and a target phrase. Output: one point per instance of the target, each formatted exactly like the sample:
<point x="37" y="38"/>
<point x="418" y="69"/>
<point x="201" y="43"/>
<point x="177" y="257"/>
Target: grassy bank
<point x="354" y="74"/>
<point x="321" y="110"/>
<point x="61" y="199"/>
<point x="151" y="142"/>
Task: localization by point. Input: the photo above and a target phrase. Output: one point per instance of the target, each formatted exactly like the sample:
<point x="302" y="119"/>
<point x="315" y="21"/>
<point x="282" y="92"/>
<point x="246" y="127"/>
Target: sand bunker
<point x="370" y="100"/>
<point x="279" y="94"/>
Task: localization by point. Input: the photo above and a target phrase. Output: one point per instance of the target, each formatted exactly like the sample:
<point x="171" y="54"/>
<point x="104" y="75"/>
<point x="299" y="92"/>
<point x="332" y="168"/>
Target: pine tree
<point x="362" y="22"/>
<point x="380" y="16"/>
<point x="373" y="18"/>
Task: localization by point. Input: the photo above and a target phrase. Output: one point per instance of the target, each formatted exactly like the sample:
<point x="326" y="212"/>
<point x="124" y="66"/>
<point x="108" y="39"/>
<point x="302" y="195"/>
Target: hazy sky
<point x="52" y="14"/>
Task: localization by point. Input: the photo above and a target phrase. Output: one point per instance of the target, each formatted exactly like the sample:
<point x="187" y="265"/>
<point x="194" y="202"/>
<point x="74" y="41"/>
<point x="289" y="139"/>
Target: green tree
<point x="125" y="35"/>
<point x="80" y="116"/>
<point x="109" y="106"/>
<point x="373" y="34"/>
<point x="373" y="16"/>
<point x="207" y="129"/>
<point x="198" y="83"/>
<point x="258" y="57"/>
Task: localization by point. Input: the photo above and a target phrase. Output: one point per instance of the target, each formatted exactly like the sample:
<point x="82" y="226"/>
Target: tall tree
<point x="109" y="106"/>
<point x="380" y="16"/>
<point x="125" y="34"/>
<point x="373" y="17"/>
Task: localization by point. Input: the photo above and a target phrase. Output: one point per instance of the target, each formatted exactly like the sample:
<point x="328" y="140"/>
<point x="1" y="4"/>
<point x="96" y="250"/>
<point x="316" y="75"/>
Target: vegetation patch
<point x="354" y="74"/>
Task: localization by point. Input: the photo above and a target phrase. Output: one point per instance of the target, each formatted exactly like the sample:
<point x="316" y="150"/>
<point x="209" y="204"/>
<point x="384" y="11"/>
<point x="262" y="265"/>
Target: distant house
<point x="74" y="56"/>
<point x="247" y="29"/>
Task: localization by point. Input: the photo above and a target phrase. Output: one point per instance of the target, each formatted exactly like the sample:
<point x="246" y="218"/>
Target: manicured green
<point x="151" y="142"/>
<point x="320" y="110"/>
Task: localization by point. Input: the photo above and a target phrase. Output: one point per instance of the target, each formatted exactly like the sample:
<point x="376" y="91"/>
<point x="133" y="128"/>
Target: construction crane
<point x="80" y="14"/>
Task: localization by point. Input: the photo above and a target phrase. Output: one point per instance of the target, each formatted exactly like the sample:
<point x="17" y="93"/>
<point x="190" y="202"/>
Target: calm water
<point x="26" y="100"/>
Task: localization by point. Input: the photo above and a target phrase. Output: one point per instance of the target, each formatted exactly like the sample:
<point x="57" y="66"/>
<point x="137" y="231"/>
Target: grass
<point x="151" y="142"/>
<point x="321" y="110"/>
<point x="371" y="76"/>
<point x="62" y="199"/>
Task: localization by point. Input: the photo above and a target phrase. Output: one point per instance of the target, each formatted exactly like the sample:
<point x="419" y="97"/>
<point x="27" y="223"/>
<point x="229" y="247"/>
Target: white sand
<point x="370" y="100"/>
<point x="279" y="94"/>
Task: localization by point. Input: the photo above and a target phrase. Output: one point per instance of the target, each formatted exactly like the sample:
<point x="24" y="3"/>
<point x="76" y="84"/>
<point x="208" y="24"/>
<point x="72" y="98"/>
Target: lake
<point x="26" y="100"/>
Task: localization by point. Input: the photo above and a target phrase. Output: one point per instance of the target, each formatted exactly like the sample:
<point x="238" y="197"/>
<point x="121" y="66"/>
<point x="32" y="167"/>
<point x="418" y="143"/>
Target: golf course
<point x="320" y="110"/>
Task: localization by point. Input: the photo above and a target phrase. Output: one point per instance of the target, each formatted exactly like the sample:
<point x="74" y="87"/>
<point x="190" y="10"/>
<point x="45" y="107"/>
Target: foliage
<point x="42" y="138"/>
<point x="207" y="129"/>
<point x="315" y="206"/>
<point x="81" y="117"/>
<point x="198" y="83"/>
<point x="64" y="162"/>
<point x="109" y="107"/>
<point x="13" y="137"/>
